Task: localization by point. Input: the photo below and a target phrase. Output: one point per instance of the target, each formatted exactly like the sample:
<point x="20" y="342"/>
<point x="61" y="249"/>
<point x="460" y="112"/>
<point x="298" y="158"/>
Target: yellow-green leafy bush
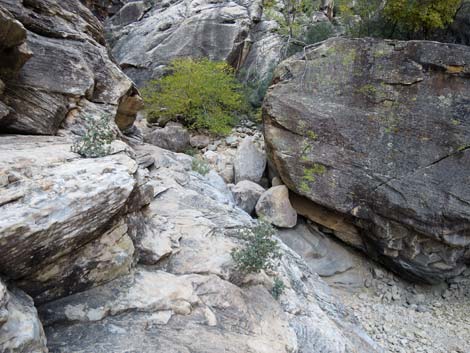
<point x="203" y="94"/>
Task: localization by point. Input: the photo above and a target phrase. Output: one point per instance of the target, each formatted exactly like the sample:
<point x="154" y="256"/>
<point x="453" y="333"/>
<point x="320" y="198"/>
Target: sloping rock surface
<point x="68" y="70"/>
<point x="186" y="301"/>
<point x="379" y="131"/>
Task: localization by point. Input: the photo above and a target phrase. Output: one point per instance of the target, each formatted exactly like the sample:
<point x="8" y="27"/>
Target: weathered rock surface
<point x="378" y="131"/>
<point x="100" y="261"/>
<point x="53" y="204"/>
<point x="274" y="206"/>
<point x="187" y="292"/>
<point x="250" y="161"/>
<point x="145" y="37"/>
<point x="246" y="194"/>
<point x="68" y="69"/>
<point x="20" y="328"/>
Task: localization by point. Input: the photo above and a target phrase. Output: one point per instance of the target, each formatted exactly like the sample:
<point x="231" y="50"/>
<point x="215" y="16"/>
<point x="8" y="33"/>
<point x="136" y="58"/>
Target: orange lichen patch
<point x="454" y="69"/>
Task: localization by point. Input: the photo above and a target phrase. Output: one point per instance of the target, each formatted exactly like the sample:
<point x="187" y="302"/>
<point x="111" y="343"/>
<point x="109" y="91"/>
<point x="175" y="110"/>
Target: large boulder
<point x="68" y="71"/>
<point x="378" y="132"/>
<point x="61" y="229"/>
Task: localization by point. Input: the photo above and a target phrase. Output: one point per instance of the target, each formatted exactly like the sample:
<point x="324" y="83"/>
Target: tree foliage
<point x="203" y="94"/>
<point x="402" y="19"/>
<point x="421" y="15"/>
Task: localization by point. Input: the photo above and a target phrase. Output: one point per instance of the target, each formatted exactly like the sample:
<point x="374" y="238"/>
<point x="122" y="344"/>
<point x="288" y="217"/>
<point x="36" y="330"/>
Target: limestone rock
<point x="250" y="161"/>
<point x="382" y="141"/>
<point x="246" y="195"/>
<point x="69" y="66"/>
<point x="274" y="207"/>
<point x="173" y="137"/>
<point x="54" y="202"/>
<point x="20" y="328"/>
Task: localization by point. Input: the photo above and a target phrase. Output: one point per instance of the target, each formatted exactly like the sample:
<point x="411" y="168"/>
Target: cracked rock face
<point x="378" y="132"/>
<point x="61" y="67"/>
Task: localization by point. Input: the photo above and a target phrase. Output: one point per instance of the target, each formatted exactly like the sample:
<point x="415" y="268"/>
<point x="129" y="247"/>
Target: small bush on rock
<point x="278" y="288"/>
<point x="200" y="166"/>
<point x="260" y="250"/>
<point x="96" y="142"/>
<point x="203" y="94"/>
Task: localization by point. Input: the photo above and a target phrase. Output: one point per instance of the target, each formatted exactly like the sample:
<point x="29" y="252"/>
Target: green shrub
<point x="204" y="94"/>
<point x="421" y="16"/>
<point x="260" y="249"/>
<point x="399" y="19"/>
<point x="278" y="288"/>
<point x="200" y="166"/>
<point x="96" y="142"/>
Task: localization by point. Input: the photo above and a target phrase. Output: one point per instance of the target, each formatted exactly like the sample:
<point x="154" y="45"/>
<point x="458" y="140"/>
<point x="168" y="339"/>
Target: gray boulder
<point x="173" y="137"/>
<point x="377" y="131"/>
<point x="250" y="161"/>
<point x="20" y="328"/>
<point x="246" y="194"/>
<point x="274" y="207"/>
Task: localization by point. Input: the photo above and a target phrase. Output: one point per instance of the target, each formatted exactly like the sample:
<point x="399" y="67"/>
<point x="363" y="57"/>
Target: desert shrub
<point x="203" y="94"/>
<point x="200" y="166"/>
<point x="278" y="288"/>
<point x="96" y="142"/>
<point x="260" y="249"/>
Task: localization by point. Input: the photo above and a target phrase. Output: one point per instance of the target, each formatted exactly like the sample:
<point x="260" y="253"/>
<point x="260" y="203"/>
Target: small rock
<point x="274" y="206"/>
<point x="246" y="194"/>
<point x="250" y="162"/>
<point x="199" y="141"/>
